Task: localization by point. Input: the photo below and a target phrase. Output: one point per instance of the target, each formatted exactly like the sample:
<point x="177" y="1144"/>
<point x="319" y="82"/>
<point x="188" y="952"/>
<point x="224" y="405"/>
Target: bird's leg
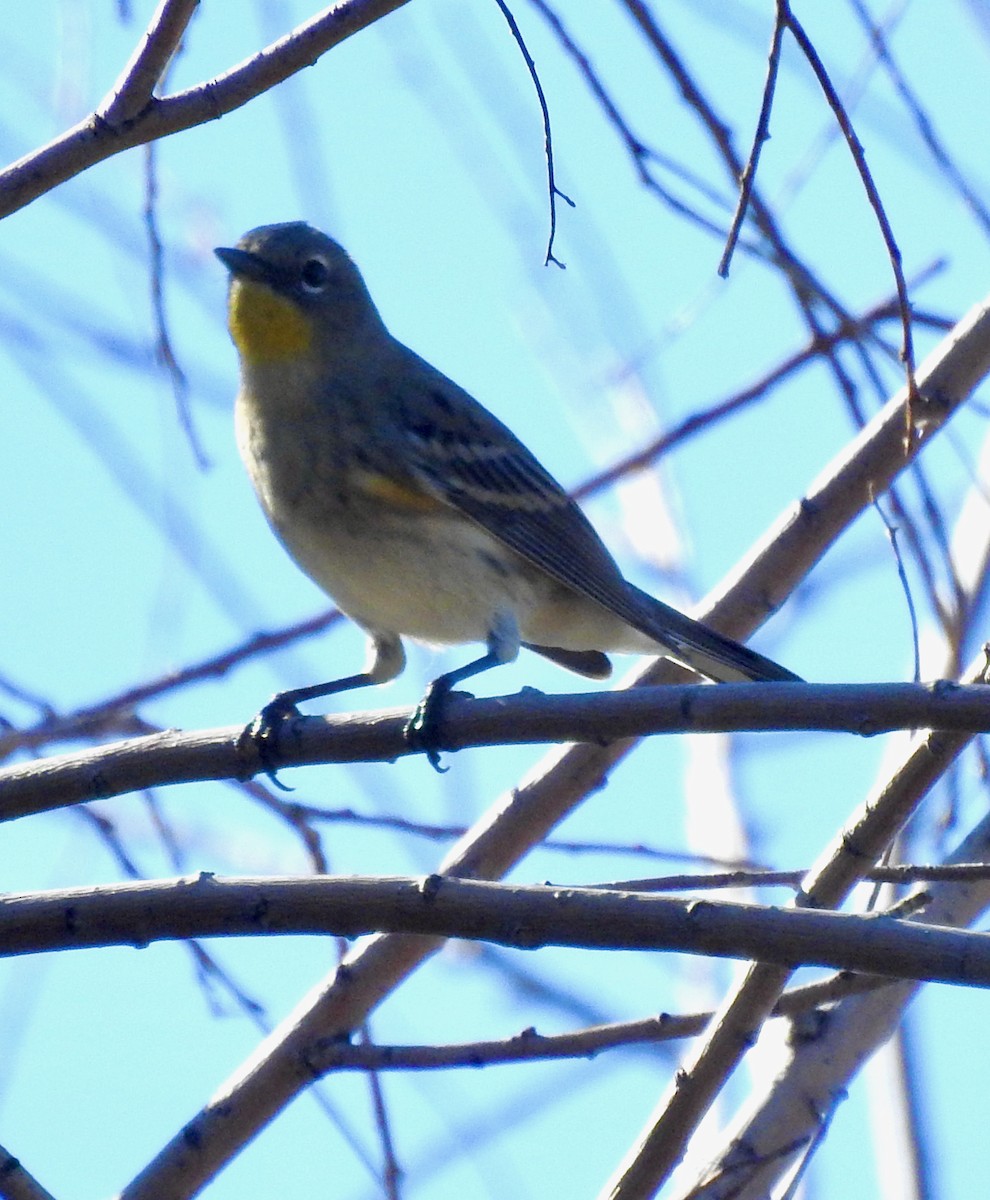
<point x="386" y="659"/>
<point x="422" y="731"/>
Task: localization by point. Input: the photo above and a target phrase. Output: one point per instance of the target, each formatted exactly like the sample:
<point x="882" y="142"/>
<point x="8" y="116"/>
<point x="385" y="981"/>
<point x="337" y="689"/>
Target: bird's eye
<point x="314" y="275"/>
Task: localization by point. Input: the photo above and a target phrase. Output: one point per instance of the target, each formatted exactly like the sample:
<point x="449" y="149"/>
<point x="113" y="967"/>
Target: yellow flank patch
<point x="398" y="494"/>
<point x="264" y="325"/>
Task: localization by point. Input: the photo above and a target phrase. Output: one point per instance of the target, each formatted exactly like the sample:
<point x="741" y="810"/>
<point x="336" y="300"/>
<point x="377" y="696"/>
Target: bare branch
<point x="94" y="139"/>
<point x="822" y="1065"/>
<point x="529" y="1046"/>
<point x="854" y="850"/>
<point x="16" y="1183"/>
<point x="508" y="915"/>
<point x="601" y="719"/>
<point x="892" y="532"/>
<point x="133" y="91"/>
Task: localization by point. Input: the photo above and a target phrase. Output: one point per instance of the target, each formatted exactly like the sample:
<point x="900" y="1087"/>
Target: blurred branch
<point x="296" y="816"/>
<point x="209" y="973"/>
<point x="788" y="19"/>
<point x="345" y="816"/>
<point x="526" y="918"/>
<point x="597" y="719"/>
<point x="132" y="115"/>
<point x="164" y="351"/>
<point x="109" y="713"/>
<point x="818" y="346"/>
<point x="922" y="120"/>
<point x="391" y="1172"/>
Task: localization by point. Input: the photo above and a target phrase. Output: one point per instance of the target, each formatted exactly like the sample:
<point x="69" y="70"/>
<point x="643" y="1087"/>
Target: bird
<point x="411" y="505"/>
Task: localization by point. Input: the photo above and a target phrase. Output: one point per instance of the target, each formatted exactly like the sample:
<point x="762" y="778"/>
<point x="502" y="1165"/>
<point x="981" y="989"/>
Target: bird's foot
<point x="423" y="729"/>
<point x="265" y="733"/>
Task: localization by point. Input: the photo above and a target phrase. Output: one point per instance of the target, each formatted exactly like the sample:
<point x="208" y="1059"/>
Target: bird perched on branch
<point x="410" y="504"/>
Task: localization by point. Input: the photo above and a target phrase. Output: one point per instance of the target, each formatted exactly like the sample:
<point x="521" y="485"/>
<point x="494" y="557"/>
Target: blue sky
<point x="418" y="145"/>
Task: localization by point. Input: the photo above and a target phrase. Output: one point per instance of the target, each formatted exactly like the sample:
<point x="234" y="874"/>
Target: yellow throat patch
<point x="264" y="325"/>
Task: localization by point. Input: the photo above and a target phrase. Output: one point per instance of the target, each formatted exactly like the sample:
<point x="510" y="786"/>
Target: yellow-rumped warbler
<point x="412" y="506"/>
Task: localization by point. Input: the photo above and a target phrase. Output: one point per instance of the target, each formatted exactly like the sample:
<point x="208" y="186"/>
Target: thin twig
<point x="529" y="1046"/>
<point x="639" y="151"/>
<point x="552" y="188"/>
<point x="922" y="120"/>
<point x="391" y="1171"/>
<point x="859" y="158"/>
<point x="93" y="718"/>
<point x="891" y="529"/>
<point x="762" y="134"/>
<point x="901" y="874"/>
<point x="163" y="342"/>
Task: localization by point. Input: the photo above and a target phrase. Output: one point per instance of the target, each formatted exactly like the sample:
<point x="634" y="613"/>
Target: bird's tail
<point x="711" y="654"/>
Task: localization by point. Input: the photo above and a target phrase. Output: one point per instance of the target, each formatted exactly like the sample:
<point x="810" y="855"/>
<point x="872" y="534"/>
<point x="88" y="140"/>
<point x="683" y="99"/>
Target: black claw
<point x="264" y="731"/>
<point x="422" y="731"/>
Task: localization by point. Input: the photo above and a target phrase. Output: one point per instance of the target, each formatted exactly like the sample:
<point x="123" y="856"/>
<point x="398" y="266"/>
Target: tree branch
<point x="95" y="138"/>
<point x="333" y="1054"/>
<point x="133" y="91"/>
<point x="16" y="1183"/>
<point x="785" y="1115"/>
<point x="601" y="719"/>
<point x="525" y="918"/>
<point x="856" y="847"/>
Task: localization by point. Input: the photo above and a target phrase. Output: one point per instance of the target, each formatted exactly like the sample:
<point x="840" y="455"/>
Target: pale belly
<point x="446" y="582"/>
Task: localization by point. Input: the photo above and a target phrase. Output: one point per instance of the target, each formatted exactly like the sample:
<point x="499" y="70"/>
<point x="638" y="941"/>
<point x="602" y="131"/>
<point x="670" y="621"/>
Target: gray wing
<point x="468" y="458"/>
<point x="477" y="465"/>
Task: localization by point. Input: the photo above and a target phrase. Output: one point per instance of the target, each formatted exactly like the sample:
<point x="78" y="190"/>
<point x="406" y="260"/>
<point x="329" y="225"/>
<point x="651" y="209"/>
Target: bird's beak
<point x="243" y="264"/>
